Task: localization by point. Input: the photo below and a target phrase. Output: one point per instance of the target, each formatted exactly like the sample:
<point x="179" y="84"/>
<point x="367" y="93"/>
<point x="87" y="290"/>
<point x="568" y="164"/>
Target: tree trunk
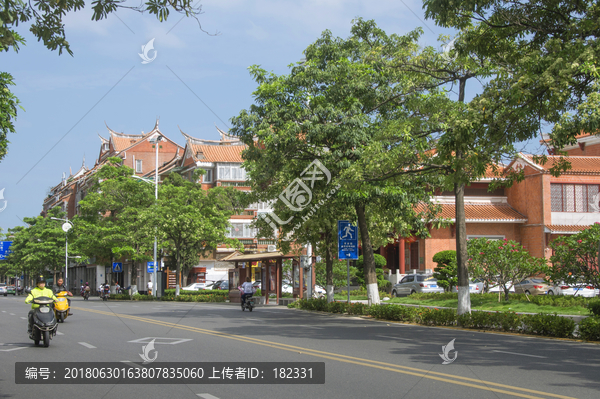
<point x="464" y="298"/>
<point x="177" y="274"/>
<point x="368" y="258"/>
<point x="329" y="265"/>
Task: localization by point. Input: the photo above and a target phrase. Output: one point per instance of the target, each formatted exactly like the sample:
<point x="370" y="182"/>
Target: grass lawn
<point x="493" y="304"/>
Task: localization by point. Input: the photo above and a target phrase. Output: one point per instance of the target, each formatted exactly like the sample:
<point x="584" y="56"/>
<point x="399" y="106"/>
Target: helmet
<point x="86" y="283"/>
<point x="40" y="279"/>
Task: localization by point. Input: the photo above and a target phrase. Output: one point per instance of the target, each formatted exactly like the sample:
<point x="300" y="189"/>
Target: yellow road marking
<point x="346" y="359"/>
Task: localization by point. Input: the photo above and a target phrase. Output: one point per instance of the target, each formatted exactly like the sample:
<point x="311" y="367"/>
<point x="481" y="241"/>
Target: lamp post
<point x="66" y="227"/>
<point x="154" y="273"/>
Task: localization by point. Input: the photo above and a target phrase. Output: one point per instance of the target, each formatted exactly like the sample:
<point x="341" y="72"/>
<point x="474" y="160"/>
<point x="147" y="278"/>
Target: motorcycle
<point x="85" y="293"/>
<point x="44" y="323"/>
<point x="105" y="295"/>
<point x="249" y="304"/>
<point x="61" y="308"/>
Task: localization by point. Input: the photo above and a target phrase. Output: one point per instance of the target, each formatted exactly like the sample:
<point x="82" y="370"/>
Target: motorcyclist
<point x="106" y="290"/>
<point x="38" y="291"/>
<point x="59" y="287"/>
<point x="247" y="290"/>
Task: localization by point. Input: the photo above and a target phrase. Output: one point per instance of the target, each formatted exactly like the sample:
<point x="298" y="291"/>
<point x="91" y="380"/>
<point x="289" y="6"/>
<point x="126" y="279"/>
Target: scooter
<point x="44" y="323"/>
<point x="85" y="293"/>
<point x="61" y="308"/>
<point x="249" y="304"/>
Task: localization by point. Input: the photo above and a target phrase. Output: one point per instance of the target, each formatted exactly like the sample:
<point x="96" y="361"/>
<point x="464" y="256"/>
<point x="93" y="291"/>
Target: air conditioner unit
<point x="428" y="271"/>
<point x="271" y="248"/>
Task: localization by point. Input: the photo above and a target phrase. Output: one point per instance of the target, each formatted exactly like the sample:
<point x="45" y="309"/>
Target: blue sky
<point x="67" y="100"/>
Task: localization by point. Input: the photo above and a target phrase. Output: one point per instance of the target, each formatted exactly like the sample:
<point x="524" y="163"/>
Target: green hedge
<point x="140" y="297"/>
<point x="594" y="307"/>
<point x="120" y="296"/>
<point x="561" y="301"/>
<point x="544" y="324"/>
<point x="589" y="328"/>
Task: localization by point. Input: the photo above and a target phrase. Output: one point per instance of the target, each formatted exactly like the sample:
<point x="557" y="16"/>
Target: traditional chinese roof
<point x="121" y="141"/>
<point x="580" y="165"/>
<point x="214" y="151"/>
<point x="564" y="229"/>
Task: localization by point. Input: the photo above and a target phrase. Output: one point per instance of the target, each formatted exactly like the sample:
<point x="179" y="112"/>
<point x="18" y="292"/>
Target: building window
<point x="105" y="146"/>
<point x="574" y="197"/>
<point x="208" y="176"/>
<point x="241" y="230"/>
<point x="138" y="166"/>
<point x="231" y="172"/>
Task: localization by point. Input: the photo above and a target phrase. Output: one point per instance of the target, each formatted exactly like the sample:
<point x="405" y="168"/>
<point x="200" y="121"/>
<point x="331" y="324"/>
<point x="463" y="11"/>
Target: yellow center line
<point x="346" y="359"/>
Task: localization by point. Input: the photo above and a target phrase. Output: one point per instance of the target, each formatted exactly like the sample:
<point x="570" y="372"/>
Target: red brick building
<point x="532" y="212"/>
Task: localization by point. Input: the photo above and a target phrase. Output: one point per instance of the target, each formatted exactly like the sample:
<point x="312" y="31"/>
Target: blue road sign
<point x="117" y="267"/>
<point x="150" y="267"/>
<point x="5" y="249"/>
<point x="347" y="240"/>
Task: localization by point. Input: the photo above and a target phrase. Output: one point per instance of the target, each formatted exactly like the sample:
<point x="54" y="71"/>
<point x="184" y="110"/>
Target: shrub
<point x="120" y="296"/>
<point x="589" y="329"/>
<point x="140" y="297"/>
<point x="549" y="325"/>
<point x="357" y="308"/>
<point x="594" y="307"/>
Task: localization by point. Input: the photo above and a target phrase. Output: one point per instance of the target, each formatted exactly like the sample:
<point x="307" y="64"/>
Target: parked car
<point x="498" y="288"/>
<point x="194" y="287"/>
<point x="286" y="288"/>
<point x="475" y="287"/>
<point x="10" y="289"/>
<point x="222" y="285"/>
<point x="578" y="289"/>
<point x="532" y="286"/>
<point x="256" y="284"/>
<point x="320" y="290"/>
<point x="413" y="283"/>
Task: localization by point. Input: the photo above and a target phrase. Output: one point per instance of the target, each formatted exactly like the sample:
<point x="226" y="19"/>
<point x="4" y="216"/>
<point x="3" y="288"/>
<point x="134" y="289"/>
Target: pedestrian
<point x="149" y="287"/>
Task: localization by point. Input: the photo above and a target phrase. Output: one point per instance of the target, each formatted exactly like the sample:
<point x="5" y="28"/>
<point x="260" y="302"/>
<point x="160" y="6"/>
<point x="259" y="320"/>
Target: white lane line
<point x="12" y="314"/>
<point x="4" y="311"/>
<point x="520" y="354"/>
<point x="387" y="336"/>
<point x="24" y="318"/>
<point x="206" y="396"/>
<point x="248" y="318"/>
<point x="13" y="349"/>
<point x="87" y="345"/>
<point x="59" y="333"/>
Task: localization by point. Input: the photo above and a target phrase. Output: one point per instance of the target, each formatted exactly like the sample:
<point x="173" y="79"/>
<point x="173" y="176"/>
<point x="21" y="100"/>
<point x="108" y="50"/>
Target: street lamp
<point x="155" y="141"/>
<point x="66" y="227"/>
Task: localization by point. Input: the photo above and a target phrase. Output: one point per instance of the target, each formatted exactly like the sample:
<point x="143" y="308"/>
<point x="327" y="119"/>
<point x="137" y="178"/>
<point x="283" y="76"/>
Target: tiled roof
<point x="579" y="164"/>
<point x="482" y="213"/>
<point x="218" y="153"/>
<point x="565" y="229"/>
<point x="121" y="142"/>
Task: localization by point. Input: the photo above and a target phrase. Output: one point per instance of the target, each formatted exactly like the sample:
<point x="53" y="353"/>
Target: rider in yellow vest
<point x="38" y="291"/>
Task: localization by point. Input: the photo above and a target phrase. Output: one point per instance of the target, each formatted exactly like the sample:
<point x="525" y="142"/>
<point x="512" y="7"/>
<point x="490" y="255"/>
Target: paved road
<point x="363" y="358"/>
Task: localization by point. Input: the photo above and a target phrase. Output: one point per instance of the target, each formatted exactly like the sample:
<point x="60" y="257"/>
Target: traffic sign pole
<point x="348" y="264"/>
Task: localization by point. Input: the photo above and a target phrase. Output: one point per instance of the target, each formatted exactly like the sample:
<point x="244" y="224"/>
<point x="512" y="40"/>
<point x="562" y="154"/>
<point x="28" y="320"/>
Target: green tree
<point x="109" y="226"/>
<point x="502" y="262"/>
<point x="339" y="274"/>
<point x="8" y="111"/>
<point x="575" y="258"/>
<point x="45" y="19"/>
<point x="189" y="221"/>
<point x="547" y="52"/>
<point x="40" y="247"/>
<point x="445" y="272"/>
<point x="330" y="108"/>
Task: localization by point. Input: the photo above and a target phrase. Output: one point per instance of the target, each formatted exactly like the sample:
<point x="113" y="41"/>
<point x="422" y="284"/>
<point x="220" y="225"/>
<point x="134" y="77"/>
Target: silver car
<point x="475" y="287"/>
<point x="416" y="283"/>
